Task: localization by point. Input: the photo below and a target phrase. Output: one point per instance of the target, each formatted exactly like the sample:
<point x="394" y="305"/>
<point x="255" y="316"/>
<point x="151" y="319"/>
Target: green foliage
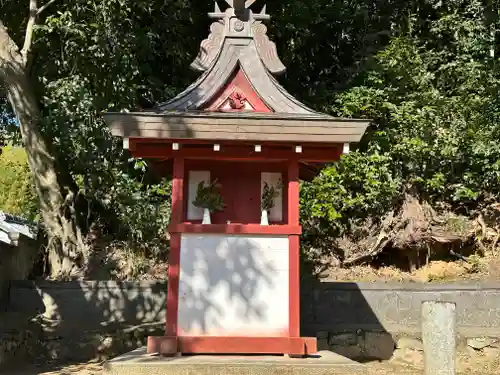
<point x="433" y="96"/>
<point x="93" y="56"/>
<point x="358" y="186"/>
<point x="208" y="196"/>
<point x="269" y="194"/>
<point x="436" y="104"/>
<point x="421" y="69"/>
<point x="142" y="210"/>
<point x="326" y="43"/>
<point x="17" y="194"/>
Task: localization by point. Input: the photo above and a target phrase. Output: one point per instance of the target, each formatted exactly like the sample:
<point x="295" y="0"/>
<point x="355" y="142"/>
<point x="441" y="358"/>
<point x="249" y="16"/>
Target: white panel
<point x="233" y="285"/>
<point x="346" y="148"/>
<point x="272" y="179"/>
<point x="195" y="177"/>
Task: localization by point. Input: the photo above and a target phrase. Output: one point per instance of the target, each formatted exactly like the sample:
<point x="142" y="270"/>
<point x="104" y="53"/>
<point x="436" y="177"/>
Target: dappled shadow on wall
<point x="342" y="319"/>
<point x="79" y="320"/>
<point x="233" y="285"/>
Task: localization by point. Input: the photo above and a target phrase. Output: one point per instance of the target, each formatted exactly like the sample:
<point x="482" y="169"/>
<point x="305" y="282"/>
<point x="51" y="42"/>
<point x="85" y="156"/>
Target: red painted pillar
<point x="175" y="248"/>
<point x="294" y="243"/>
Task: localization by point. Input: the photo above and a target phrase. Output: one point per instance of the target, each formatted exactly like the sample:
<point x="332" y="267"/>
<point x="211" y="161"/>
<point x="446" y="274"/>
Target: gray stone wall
<point x="79" y="320"/>
<point x="358" y="320"/>
<point x="324" y="306"/>
<point x="396" y="307"/>
<point x="79" y="305"/>
<point x="16" y="262"/>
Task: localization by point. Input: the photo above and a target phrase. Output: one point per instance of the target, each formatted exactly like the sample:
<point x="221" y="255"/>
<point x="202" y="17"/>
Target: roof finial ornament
<point x="240" y="5"/>
<point x="238" y="21"/>
<point x="239" y="8"/>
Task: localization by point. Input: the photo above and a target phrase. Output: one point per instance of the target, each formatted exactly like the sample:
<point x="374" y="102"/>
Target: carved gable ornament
<point x="238" y="21"/>
<point x="238" y="55"/>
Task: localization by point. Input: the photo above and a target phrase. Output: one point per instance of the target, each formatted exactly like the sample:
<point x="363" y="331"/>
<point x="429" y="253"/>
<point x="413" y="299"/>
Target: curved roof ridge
<point x="267" y="87"/>
<point x="234" y="52"/>
<point x="237" y="37"/>
<point x="237" y="49"/>
<point x="291" y="97"/>
<point x="209" y="83"/>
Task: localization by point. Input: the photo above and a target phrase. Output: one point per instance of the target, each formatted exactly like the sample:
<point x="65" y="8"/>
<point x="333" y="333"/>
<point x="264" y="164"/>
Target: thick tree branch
<point x="28" y="38"/>
<point x="44" y="6"/>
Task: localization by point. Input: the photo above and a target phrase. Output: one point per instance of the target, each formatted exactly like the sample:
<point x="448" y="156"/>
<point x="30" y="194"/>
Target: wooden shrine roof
<point x="248" y="126"/>
<point x="238" y="46"/>
<point x="238" y="54"/>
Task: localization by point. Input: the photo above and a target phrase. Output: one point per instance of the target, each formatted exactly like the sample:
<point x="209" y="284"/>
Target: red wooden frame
<point x="159" y="150"/>
<point x="173" y="342"/>
<point x="297" y="346"/>
<point x="227" y="143"/>
<point x="294" y="243"/>
<point x="278" y="230"/>
<point x="175" y="249"/>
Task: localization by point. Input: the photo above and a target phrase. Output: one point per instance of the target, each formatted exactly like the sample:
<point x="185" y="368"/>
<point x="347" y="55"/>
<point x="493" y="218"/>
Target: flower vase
<point x="206" y="216"/>
<point x="264" y="219"/>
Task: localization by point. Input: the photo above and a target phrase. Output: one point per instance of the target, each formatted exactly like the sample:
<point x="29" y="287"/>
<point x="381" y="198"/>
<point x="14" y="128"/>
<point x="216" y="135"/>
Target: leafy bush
<point x="141" y="209"/>
<point x="344" y="194"/>
<point x="17" y="194"/>
<point x="437" y="115"/>
<point x="432" y="93"/>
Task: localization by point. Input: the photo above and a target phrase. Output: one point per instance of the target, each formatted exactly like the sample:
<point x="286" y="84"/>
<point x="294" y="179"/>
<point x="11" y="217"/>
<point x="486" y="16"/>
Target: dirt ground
<point x="484" y="269"/>
<point x="466" y="366"/>
<point x="90" y="368"/>
<point x="96" y="369"/>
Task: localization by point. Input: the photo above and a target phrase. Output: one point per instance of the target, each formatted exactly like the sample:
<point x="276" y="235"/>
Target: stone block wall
<point x="396" y="307"/>
<point x="379" y="320"/>
<point x="16" y="262"/>
<point x="78" y="305"/>
<point x="79" y="320"/>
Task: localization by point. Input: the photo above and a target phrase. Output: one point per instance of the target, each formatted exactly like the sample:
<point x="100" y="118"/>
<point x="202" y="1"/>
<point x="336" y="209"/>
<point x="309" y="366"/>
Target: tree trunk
<point x="65" y="244"/>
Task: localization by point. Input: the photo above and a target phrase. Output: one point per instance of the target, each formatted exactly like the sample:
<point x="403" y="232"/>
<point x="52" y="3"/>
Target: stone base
<point x="138" y="362"/>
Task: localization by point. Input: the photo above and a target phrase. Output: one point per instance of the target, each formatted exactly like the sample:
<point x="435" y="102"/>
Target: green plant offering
<point x="269" y="194"/>
<point x="208" y="196"/>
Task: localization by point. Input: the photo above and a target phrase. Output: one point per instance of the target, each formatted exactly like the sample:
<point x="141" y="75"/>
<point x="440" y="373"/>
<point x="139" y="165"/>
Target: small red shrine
<point x="233" y="285"/>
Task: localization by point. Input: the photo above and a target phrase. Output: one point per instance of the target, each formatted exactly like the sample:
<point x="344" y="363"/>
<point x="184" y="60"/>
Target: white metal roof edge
<point x="20" y="226"/>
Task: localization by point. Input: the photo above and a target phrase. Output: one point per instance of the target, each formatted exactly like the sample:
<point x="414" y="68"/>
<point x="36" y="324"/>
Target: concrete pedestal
<point x="138" y="362"/>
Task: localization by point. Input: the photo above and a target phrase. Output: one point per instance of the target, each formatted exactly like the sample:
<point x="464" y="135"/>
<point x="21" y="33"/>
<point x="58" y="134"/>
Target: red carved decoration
<point x="237" y="84"/>
<point x="237" y="100"/>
